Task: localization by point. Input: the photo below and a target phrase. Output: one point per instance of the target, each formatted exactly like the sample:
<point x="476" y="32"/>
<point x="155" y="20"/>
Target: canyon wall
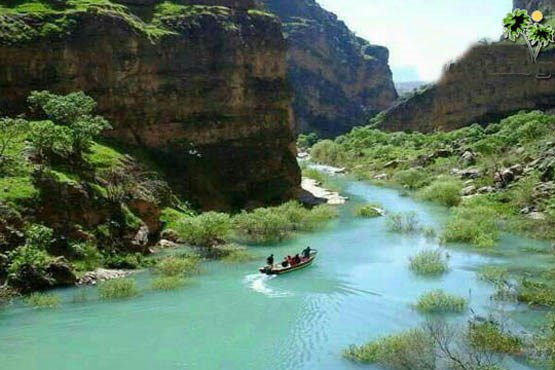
<point x="339" y="79"/>
<point x="202" y="89"/>
<point x="489" y="82"/>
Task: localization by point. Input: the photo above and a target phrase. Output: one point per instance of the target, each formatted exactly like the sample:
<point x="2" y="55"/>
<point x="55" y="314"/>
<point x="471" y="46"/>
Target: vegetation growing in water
<point x="446" y="191"/>
<point x="179" y="266"/>
<point x="429" y="262"/>
<point x="434" y="345"/>
<point x="118" y="289"/>
<point x="489" y="335"/>
<point x="43" y="300"/>
<point x="167" y="283"/>
<point x="438" y="301"/>
<point x="404" y="223"/>
<point x="369" y="210"/>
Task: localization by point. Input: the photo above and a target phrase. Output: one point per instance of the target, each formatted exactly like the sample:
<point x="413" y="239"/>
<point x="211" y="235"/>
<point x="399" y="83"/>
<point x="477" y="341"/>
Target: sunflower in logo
<point x="540" y="35"/>
<point x="515" y="24"/>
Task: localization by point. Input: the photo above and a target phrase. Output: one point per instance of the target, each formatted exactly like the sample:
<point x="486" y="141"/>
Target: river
<point x="232" y="318"/>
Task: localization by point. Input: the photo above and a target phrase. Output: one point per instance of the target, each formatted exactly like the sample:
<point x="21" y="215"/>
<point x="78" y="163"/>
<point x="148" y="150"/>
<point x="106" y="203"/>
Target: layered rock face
<point x="546" y="6"/>
<point x="339" y="79"/>
<point x="205" y="93"/>
<point x="488" y="83"/>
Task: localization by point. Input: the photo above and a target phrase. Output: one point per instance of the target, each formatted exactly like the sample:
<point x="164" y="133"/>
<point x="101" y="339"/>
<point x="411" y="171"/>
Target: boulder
<point x="381" y="176"/>
<point x="100" y="275"/>
<point x="517" y="169"/>
<point x="486" y="190"/>
<point x="504" y="177"/>
<point x="539" y="216"/>
<point x="170" y="235"/>
<point x="469" y="190"/>
<point x="467" y="173"/>
<point x="29" y="278"/>
<point x="141" y="238"/>
<point x="469" y="157"/>
<point x="61" y="273"/>
<point x="528" y="210"/>
<point x="548" y="170"/>
<point x="165" y="244"/>
<point x="392" y="164"/>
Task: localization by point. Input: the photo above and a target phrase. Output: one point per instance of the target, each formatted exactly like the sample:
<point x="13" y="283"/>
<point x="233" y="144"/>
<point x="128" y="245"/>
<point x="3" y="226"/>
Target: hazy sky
<point x="422" y="35"/>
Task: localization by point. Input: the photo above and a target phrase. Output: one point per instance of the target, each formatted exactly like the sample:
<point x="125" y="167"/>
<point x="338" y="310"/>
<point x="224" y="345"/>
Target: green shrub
<point x="429" y="262"/>
<point x="327" y="151"/>
<point x="39" y="236"/>
<point x="489" y="336"/>
<point x="438" y="301"/>
<point x="128" y="261"/>
<point x="403" y="222"/>
<point x="179" y="266"/>
<point x="167" y="283"/>
<point x="369" y="210"/>
<point x="536" y="293"/>
<point x="239" y="256"/>
<point x="7" y="294"/>
<point x="10" y="131"/>
<point x="444" y="191"/>
<point x="262" y="225"/>
<point x="118" y="289"/>
<point x="315" y="174"/>
<point x="87" y="255"/>
<point x="474" y="225"/>
<point x="305" y="141"/>
<point x="43" y="300"/>
<point x="396" y="352"/>
<point x="278" y="223"/>
<point x="493" y="274"/>
<point x="171" y="217"/>
<point x="546" y="342"/>
<point x="412" y="178"/>
<point x="27" y="256"/>
<point x="205" y="230"/>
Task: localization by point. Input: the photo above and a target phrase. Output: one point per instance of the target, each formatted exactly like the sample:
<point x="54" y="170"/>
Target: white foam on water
<point x="257" y="282"/>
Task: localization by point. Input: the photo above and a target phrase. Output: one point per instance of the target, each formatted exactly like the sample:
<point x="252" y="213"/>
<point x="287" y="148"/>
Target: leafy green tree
<point x="10" y="130"/>
<point x="73" y="113"/>
<point x="49" y="139"/>
<point x="307" y="141"/>
<point x="206" y="230"/>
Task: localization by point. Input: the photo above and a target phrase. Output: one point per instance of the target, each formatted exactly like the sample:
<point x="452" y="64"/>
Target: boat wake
<point x="257" y="282"/>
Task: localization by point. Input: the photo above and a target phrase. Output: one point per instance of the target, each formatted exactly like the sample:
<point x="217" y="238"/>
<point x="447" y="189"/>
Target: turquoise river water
<point x="232" y="318"/>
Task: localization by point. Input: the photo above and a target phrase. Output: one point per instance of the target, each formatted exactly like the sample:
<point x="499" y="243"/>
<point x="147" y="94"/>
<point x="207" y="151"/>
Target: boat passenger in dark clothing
<point x="270" y="260"/>
<point x="297" y="259"/>
<point x="285" y="262"/>
<point x="306" y="252"/>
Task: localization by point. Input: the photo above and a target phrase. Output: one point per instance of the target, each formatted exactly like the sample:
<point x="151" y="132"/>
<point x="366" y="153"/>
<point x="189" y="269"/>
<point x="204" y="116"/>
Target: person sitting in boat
<point x="297" y="259"/>
<point x="306" y="252"/>
<point x="291" y="261"/>
<point x="285" y="262"/>
<point x="270" y="260"/>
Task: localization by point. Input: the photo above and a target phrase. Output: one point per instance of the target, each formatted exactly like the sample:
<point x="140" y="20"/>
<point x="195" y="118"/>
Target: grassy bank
<point x="495" y="179"/>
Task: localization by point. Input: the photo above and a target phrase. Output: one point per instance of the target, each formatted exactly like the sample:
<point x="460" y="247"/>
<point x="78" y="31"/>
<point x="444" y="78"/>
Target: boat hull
<point x="278" y="270"/>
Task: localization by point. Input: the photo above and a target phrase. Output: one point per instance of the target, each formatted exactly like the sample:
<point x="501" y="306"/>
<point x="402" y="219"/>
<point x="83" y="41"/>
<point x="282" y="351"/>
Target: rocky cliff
<point x="546" y="6"/>
<point x="338" y="78"/>
<point x="489" y="82"/>
<point x="202" y="88"/>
